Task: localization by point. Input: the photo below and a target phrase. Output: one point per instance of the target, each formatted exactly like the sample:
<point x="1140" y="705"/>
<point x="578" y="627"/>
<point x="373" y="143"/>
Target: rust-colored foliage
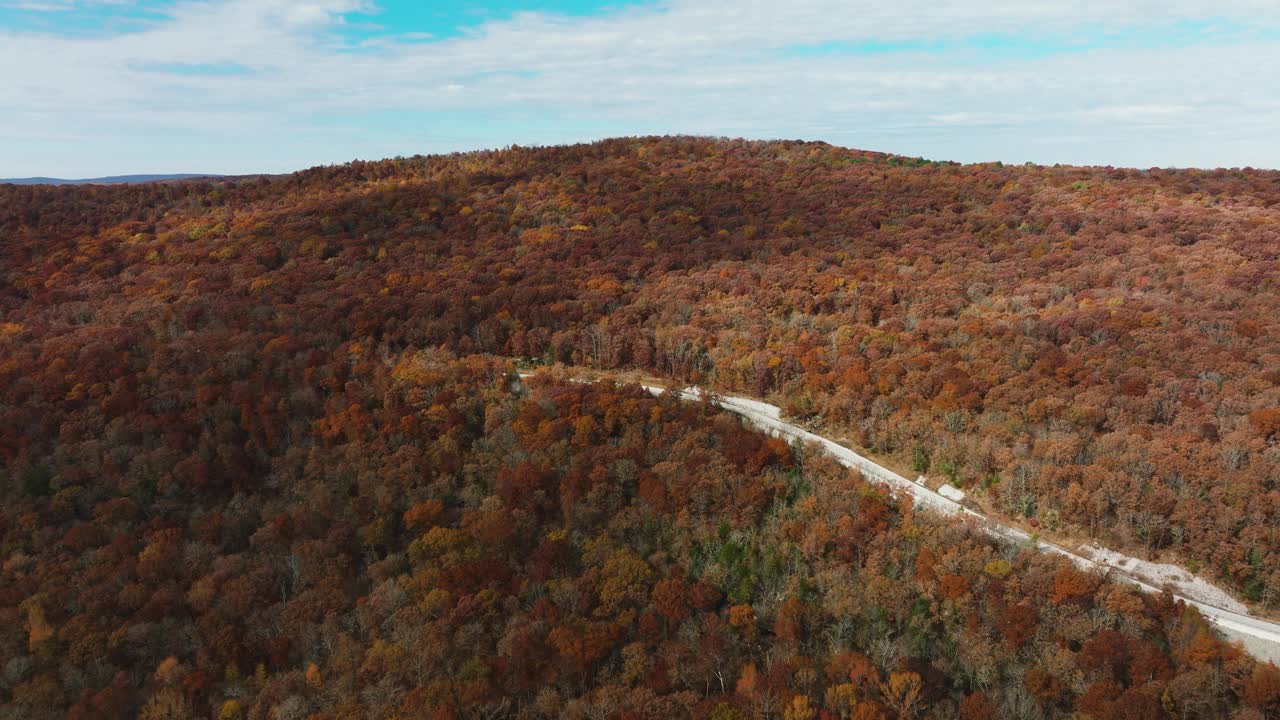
<point x="264" y="453"/>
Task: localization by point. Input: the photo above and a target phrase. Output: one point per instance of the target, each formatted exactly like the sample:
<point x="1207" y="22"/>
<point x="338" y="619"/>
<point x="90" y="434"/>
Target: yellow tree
<point x="167" y="704"/>
<point x="902" y="693"/>
<point x="799" y="709"/>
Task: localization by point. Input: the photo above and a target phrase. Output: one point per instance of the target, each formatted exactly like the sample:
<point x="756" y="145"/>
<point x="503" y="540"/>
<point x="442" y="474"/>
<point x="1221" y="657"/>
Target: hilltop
<point x="274" y="422"/>
<point x="111" y="180"/>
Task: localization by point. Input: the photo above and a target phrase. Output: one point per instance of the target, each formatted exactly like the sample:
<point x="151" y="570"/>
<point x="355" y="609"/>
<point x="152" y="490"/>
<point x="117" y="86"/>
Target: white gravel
<point x="1179" y="580"/>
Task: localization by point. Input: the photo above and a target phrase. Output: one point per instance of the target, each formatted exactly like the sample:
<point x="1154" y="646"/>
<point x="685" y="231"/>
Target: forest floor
<point x="1261" y="637"/>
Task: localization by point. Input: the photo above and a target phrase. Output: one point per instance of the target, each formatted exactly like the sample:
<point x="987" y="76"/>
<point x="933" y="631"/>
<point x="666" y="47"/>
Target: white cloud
<point x="684" y="66"/>
<point x="1135" y="112"/>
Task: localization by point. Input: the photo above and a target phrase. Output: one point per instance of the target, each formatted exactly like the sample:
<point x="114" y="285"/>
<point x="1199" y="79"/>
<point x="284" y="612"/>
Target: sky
<point x="105" y="87"/>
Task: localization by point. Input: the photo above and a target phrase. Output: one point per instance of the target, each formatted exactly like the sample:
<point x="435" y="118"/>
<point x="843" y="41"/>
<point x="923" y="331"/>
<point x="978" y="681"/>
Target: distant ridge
<point x="111" y="180"/>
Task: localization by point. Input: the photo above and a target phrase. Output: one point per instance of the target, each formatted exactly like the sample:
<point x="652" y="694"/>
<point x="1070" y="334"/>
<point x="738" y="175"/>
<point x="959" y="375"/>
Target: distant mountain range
<point x="112" y="180"/>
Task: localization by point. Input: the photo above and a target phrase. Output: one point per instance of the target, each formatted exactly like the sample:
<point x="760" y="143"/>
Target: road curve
<point x="1260" y="637"/>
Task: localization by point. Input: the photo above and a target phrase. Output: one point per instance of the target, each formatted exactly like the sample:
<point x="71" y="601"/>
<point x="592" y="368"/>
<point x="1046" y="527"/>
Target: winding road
<point x="1260" y="637"/>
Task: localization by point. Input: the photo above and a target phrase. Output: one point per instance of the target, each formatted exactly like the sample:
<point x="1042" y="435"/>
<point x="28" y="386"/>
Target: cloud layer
<point x="271" y="85"/>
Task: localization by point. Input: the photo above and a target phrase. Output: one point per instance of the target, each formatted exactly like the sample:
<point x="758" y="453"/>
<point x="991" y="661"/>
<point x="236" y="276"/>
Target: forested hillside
<point x="447" y="544"/>
<point x="264" y="453"/>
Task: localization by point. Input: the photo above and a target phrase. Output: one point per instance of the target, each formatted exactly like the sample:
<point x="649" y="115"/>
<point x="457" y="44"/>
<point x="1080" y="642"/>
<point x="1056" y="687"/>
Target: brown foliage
<point x="265" y="423"/>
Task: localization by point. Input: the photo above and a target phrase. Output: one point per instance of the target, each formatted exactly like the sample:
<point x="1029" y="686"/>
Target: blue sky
<point x="95" y="87"/>
<point x="439" y="19"/>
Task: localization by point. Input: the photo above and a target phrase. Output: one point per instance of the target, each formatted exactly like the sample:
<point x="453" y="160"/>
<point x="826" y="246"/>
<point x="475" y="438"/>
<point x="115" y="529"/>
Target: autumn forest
<point x="266" y="451"/>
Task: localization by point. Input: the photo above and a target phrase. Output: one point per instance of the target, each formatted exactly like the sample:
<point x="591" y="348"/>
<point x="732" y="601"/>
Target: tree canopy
<point x="264" y="454"/>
